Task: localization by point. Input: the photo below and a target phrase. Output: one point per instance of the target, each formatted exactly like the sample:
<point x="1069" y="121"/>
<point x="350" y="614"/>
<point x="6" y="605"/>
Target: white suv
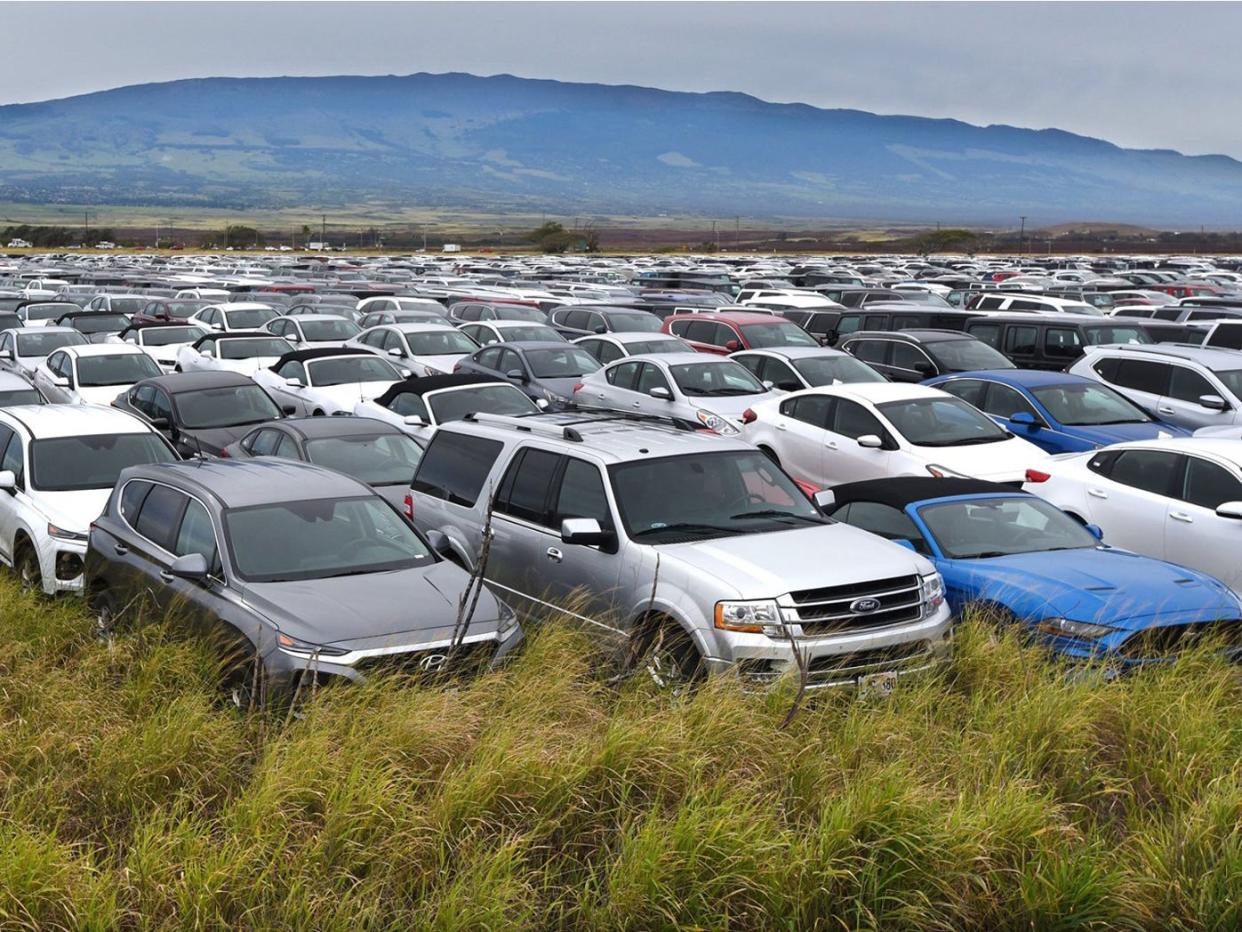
<point x="58" y="464"/>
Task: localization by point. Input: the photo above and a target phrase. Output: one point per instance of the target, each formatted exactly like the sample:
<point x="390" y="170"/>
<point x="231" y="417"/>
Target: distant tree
<point x="950" y="240"/>
<point x="553" y="238"/>
<point x="590" y="239"/>
<point x="242" y="237"/>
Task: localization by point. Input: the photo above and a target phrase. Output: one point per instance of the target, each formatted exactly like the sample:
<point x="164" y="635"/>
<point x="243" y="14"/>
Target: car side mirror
<point x="870" y="442"/>
<point x="1098" y="532"/>
<point x="61" y="381"/>
<point x="733" y="346"/>
<point x="584" y="531"/>
<point x="6" y="354"/>
<point x="542" y="403"/>
<point x="601" y="329"/>
<point x="192" y="566"/>
<point x="404" y="373"/>
<point x="440" y="543"/>
<point x="396" y="353"/>
<point x="293" y="383"/>
<point x="516" y="374"/>
<point x="288" y="410"/>
<point x="1213" y="403"/>
<point x="924" y="368"/>
<point x="413" y="420"/>
<point x="1025" y="418"/>
<point x="160" y="423"/>
<point x="207" y="351"/>
<point x="8" y="481"/>
<point x="661" y="392"/>
<point x="291" y="337"/>
<point x="1224" y="510"/>
<point x="769" y="385"/>
<point x="824" y="500"/>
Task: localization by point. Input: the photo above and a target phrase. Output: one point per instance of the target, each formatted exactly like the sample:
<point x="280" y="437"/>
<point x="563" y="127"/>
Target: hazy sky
<point x="1158" y="75"/>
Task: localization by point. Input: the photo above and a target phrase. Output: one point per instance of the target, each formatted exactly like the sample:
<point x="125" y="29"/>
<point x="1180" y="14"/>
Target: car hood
<point x="562" y="387"/>
<point x="1105" y="434"/>
<point x="404" y="607"/>
<point x="443" y="364"/>
<point x="214" y="439"/>
<point x="1115" y="587"/>
<point x="101" y="394"/>
<point x="74" y="511"/>
<point x="1003" y="461"/>
<point x="764" y="566"/>
<point x="730" y="406"/>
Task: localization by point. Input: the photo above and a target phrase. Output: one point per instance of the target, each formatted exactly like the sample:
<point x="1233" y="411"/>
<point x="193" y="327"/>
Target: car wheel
<point x="243" y="684"/>
<point x="103" y="607"/>
<point x="671" y="659"/>
<point x="26" y="566"/>
<point x="317" y="413"/>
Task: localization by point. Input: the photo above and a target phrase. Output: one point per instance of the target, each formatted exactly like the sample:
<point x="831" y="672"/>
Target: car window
<point x="1062" y="343"/>
<point x="1142" y="375"/>
<point x="623" y="375"/>
<point x="908" y="357"/>
<point x="510" y="362"/>
<point x="851" y="419"/>
<point x="987" y="333"/>
<point x="1003" y="401"/>
<point x="455" y="467"/>
<point x="286" y="447"/>
<point x="884" y="520"/>
<point x="1209" y="485"/>
<point x="523" y="492"/>
<point x="969" y="390"/>
<point x="1021" y="340"/>
<point x="489" y="358"/>
<point x="582" y="495"/>
<point x="781" y="375"/>
<point x="872" y="351"/>
<point x="650" y="377"/>
<point x="196" y="534"/>
<point x="607" y="351"/>
<point x="1149" y="470"/>
<point x="815" y="410"/>
<point x="132" y="497"/>
<point x="703" y="331"/>
<point x="1187" y="385"/>
<point x="159" y="516"/>
<point x="264" y="442"/>
<point x="13" y="461"/>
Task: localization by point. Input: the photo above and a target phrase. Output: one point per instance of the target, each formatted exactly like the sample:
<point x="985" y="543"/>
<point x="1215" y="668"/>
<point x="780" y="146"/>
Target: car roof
<point x="1025" y="378"/>
<point x="912" y="336"/>
<point x="434" y="383"/>
<point x="412" y="326"/>
<point x="735" y="317"/>
<point x="1224" y="447"/>
<point x="875" y="392"/>
<point x="241" y="306"/>
<point x="13" y="380"/>
<point x="326" y="352"/>
<point x="688" y="358"/>
<point x="262" y="481"/>
<point x="49" y="329"/>
<point x="74" y="420"/>
<point x="1211" y="357"/>
<point x="235" y="335"/>
<point x="900" y="491"/>
<point x="504" y="324"/>
<point x="99" y="349"/>
<point x="301" y="318"/>
<point x="527" y="345"/>
<point x="315" y="428"/>
<point x="793" y="352"/>
<point x="176" y="382"/>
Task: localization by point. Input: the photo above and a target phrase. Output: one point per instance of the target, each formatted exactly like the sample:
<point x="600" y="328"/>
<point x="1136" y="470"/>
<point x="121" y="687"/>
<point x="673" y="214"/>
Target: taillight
<point x="1034" y="475"/>
<point x="409" y="507"/>
<point x="749" y="416"/>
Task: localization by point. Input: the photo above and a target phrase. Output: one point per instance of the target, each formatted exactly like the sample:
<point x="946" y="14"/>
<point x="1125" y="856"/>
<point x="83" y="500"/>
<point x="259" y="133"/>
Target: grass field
<point x="999" y="793"/>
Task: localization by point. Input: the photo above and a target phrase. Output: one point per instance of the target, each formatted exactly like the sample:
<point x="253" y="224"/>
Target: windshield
<point x="1082" y="309"/>
<point x="346" y="369"/>
<point x="166" y="336"/>
<point x="126" y="369"/>
<point x="100" y="323"/>
<point x="40" y="344"/>
<point x="1099" y="335"/>
<point x="319" y="331"/>
<point x="1000" y="527"/>
<point x="777" y="333"/>
<point x="491" y="399"/>
<point x="829" y="370"/>
<point x="941" y="422"/>
<point x="1088" y="405"/>
<point x="386" y="459"/>
<point x="409" y="404"/>
<point x="76" y="464"/>
<point x="520" y="312"/>
<point x="534" y="333"/>
<point x="705" y="495"/>
<point x="321" y="538"/>
<point x="1232" y="379"/>
<point x="444" y="342"/>
<point x="184" y="308"/>
<point x="635" y="323"/>
<point x="20" y="397"/>
<point x="127" y="305"/>
<point x="228" y="406"/>
<point x="48" y="311"/>
<point x="249" y="319"/>
<point x="251" y="347"/>
<point x="965" y="355"/>
<point x="647" y="347"/>
<point x="705" y="379"/>
<point x="560" y="363"/>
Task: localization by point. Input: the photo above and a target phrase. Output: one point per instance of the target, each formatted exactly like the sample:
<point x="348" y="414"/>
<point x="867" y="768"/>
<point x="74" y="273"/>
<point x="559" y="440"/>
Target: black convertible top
<point x="431" y="383"/>
<point x="303" y="355"/>
<point x="233" y="335"/>
<point x="900" y="491"/>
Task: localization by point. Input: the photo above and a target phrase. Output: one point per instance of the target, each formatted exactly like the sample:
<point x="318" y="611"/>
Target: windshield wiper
<point x="360" y="572"/>
<point x="686" y="527"/>
<point x="968" y="442"/>
<point x="776" y="513"/>
<point x="731" y="391"/>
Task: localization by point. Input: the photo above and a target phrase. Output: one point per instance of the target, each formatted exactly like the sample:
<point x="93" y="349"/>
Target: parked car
<point x="327" y="381"/>
<point x="1190" y="386"/>
<point x="893" y="317"/>
<point x="725" y="332"/>
<point x="819" y="322"/>
<point x="1031" y="303"/>
<point x="426" y="349"/>
<point x="125" y="304"/>
<point x="25" y="348"/>
<point x="419" y="405"/>
<point x="235" y="316"/>
<point x="42" y="313"/>
<point x="93" y="373"/>
<point x="546" y="372"/>
<point x="915" y="355"/>
<point x="690" y="387"/>
<point x="1058" y="412"/>
<point x="1178" y="499"/>
<point x="462" y="312"/>
<point x="846" y="433"/>
<point x="399" y="304"/>
<point x="169" y="310"/>
<point x="58" y="464"/>
<point x="95" y="326"/>
<point x="312" y="331"/>
<point x="587" y="506"/>
<point x="1023" y="561"/>
<point x="293" y="570"/>
<point x="1045" y="341"/>
<point x="580" y="321"/>
<point x="509" y="331"/>
<point x="161" y="340"/>
<point x="17" y="389"/>
<point x="609" y="347"/>
<point x="200" y="413"/>
<point x="376" y="318"/>
<point x="791" y="368"/>
<point x="241" y="351"/>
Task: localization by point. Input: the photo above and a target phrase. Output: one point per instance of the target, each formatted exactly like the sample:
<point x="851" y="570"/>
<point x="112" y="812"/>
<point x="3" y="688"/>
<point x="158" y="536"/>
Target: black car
<point x="915" y="355"/>
<point x="96" y="326"/>
<point x="201" y="412"/>
<point x="586" y="320"/>
<point x="171" y="309"/>
<point x="545" y="371"/>
<point x="821" y="324"/>
<point x="1052" y="341"/>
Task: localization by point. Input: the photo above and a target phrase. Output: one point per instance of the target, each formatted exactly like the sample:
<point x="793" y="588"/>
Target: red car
<point x="725" y="332"/>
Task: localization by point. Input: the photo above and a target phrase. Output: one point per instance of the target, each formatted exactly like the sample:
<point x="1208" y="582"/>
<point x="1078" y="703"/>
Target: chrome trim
<point x="350" y="658"/>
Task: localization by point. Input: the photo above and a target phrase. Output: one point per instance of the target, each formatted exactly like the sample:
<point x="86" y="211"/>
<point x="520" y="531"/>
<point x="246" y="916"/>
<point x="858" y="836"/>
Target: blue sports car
<point x="1058" y="412"/>
<point x="1029" y="562"/>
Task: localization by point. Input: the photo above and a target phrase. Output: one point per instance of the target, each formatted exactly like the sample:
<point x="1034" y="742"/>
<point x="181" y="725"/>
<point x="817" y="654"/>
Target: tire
<point x="104" y="609"/>
<point x="26" y="566"/>
<point x="317" y="413"/>
<point x="243" y="683"/>
<point x="670" y="657"/>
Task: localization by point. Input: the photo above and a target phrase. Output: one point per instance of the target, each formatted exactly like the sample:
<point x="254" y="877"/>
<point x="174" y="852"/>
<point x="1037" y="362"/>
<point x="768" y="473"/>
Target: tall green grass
<point x="999" y="793"/>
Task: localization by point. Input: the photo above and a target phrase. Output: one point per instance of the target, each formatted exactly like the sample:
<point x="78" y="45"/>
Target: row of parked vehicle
<point x="311" y="461"/>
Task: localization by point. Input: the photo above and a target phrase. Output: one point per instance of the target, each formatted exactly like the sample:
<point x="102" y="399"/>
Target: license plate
<point x="880" y="685"/>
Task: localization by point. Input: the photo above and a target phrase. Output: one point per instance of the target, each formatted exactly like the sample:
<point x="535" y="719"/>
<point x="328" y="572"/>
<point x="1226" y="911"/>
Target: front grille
<point x="893" y="601"/>
<point x="428" y="664"/>
<point x="1167" y="641"/>
<point x="861" y="661"/>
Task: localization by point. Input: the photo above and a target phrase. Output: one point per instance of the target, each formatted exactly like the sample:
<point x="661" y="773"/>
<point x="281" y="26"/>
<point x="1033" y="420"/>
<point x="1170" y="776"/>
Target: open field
<point x="998" y="794"/>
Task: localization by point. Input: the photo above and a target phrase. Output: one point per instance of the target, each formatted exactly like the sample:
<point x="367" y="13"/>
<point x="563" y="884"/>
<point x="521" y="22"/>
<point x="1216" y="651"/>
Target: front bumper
<point x="60" y="563"/>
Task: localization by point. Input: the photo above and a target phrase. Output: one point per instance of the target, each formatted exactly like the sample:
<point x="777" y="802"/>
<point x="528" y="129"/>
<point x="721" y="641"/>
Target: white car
<point x="311" y="331"/>
<point x="790" y="368"/>
<point x="58" y="464"/>
<point x="241" y="315"/>
<point x="609" y="347"/>
<point x="869" y="430"/>
<point x="162" y="342"/>
<point x="93" y="374"/>
<point x="488" y="332"/>
<point x="242" y="352"/>
<point x="24" y="348"/>
<point x="394" y="303"/>
<point x="44" y="313"/>
<point x="1178" y="499"/>
<point x="692" y="387"/>
<point x="427" y="349"/>
<point x="418" y="406"/>
<point x="328" y="381"/>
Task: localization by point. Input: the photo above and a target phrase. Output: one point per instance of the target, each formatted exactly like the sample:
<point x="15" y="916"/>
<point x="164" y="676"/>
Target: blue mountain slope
<point x="504" y="142"/>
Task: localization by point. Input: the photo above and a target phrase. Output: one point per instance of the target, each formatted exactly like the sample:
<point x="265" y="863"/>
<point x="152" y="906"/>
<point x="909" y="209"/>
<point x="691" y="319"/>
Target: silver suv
<point x="1191" y="386"/>
<point x="691" y="551"/>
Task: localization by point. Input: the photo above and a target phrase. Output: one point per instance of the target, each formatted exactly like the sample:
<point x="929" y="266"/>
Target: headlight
<point x="715" y="423"/>
<point x="1065" y="628"/>
<point x="747" y="616"/>
<point x="61" y="534"/>
<point x="506" y="620"/>
<point x="298" y="646"/>
<point x="932" y="592"/>
<point x="943" y="472"/>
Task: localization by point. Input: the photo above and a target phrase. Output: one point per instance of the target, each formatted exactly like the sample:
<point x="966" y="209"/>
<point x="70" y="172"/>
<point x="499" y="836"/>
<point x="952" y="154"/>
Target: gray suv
<point x="293" y="569"/>
<point x="693" y="551"/>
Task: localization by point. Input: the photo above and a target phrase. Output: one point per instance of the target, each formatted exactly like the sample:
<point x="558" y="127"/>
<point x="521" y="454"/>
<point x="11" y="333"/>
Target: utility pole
<point x="715" y="238"/>
<point x="1022" y="236"/>
<point x="323" y="232"/>
<point x="737" y="234"/>
<point x="86" y="226"/>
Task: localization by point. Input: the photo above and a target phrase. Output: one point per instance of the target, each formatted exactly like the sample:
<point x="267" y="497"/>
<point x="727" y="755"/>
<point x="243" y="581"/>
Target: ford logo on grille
<point x="432" y="662"/>
<point x="864" y="606"/>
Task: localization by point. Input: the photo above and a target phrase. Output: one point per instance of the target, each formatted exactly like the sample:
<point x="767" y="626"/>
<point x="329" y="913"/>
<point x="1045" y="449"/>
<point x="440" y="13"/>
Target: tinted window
<point x="582" y="495"/>
<point x="1021" y="340"/>
<point x="873" y="351"/>
<point x="384" y="459"/>
<point x="1149" y="470"/>
<point x="524" y="489"/>
<point x="910" y="357"/>
<point x="650" y="377"/>
<point x="75" y="464"/>
<point x="1062" y="343"/>
<point x="1003" y="401"/>
<point x="455" y="467"/>
<point x="815" y="410"/>
<point x="884" y="520"/>
<point x="623" y="376"/>
<point x="969" y="390"/>
<point x="853" y="420"/>
<point x="132" y="497"/>
<point x="160" y="513"/>
<point x="988" y="333"/>
<point x="264" y="443"/>
<point x="1208" y="485"/>
<point x="196" y="534"/>
<point x="12" y="460"/>
<point x="1188" y="385"/>
<point x="1142" y="375"/>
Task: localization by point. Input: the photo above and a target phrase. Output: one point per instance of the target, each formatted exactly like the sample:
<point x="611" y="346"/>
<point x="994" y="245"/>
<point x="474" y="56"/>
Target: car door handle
<point x="555" y="555"/>
<point x="638" y="404"/>
<point x="1181" y="516"/>
<point x="1165" y="409"/>
<point x="830" y="444"/>
<point x="781" y="427"/>
<point x="1097" y="493"/>
<point x="121" y="550"/>
<point x="166" y="576"/>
